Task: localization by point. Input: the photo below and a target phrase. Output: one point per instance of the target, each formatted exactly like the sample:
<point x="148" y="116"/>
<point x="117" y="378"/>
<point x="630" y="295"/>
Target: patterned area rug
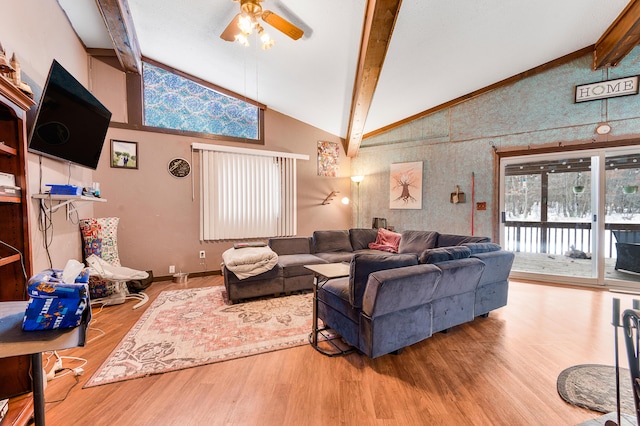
<point x="593" y="386"/>
<point x="189" y="328"/>
<point x="625" y="420"/>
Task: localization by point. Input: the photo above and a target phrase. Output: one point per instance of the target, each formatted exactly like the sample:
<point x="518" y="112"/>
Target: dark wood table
<point x="14" y="341"/>
<point x="324" y="272"/>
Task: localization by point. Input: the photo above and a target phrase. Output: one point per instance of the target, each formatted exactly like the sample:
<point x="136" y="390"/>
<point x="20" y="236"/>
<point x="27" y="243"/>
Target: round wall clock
<point x="179" y="167"/>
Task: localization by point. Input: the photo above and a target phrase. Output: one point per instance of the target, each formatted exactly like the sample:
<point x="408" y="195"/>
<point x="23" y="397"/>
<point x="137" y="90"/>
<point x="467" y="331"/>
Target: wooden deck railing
<point x="559" y="237"/>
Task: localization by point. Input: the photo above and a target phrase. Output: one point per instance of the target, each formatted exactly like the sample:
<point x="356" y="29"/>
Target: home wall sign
<point x="607" y="89"/>
<point x="179" y="167"/>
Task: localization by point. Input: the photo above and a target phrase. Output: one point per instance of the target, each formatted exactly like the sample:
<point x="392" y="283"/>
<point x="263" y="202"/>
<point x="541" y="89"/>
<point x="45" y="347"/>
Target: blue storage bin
<point x="55" y="304"/>
<point x="64" y="189"/>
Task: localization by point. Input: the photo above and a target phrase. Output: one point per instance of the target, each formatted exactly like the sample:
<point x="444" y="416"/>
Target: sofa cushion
<point x="395" y="290"/>
<point x="361" y="237"/>
<point x="364" y="264"/>
<point x="290" y="245"/>
<point x="448" y="240"/>
<point x="331" y="241"/>
<point x="482" y="247"/>
<point x="443" y="254"/>
<point x="386" y="241"/>
<point x="368" y="251"/>
<point x="336" y="257"/>
<point x="335" y="293"/>
<point x="417" y="241"/>
<point x="293" y="264"/>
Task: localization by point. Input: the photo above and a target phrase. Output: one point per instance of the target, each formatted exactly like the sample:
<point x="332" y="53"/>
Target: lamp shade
<point x="357" y="179"/>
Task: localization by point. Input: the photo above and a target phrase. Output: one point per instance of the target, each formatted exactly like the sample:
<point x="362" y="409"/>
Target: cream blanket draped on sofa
<point x="249" y="261"/>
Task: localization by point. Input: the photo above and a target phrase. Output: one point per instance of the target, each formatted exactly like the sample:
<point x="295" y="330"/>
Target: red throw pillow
<point x="386" y="241"/>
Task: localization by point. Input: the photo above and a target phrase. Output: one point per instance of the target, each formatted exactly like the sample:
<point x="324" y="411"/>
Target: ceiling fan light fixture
<point x="246" y="24"/>
<point x="267" y="41"/>
<point x="243" y="39"/>
<point x="247" y="21"/>
<point x="251" y="7"/>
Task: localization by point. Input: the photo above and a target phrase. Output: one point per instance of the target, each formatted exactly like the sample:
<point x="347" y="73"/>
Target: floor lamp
<point x="357" y="180"/>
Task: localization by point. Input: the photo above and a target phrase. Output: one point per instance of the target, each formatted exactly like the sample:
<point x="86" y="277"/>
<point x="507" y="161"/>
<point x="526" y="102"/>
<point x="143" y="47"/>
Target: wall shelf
<point x="64" y="201"/>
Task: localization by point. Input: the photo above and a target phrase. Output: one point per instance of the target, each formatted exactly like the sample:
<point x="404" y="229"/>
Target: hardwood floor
<point x="499" y="370"/>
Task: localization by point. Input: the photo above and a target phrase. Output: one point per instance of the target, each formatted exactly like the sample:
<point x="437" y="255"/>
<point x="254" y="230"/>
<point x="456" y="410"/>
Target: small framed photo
<point x="124" y="155"/>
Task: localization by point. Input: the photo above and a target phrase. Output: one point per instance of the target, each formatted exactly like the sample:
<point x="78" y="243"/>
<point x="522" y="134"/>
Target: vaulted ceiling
<point x="361" y="65"/>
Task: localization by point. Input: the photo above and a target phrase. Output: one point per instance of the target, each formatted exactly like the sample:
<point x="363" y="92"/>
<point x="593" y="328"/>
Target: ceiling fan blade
<point x="230" y="32"/>
<point x="282" y="25"/>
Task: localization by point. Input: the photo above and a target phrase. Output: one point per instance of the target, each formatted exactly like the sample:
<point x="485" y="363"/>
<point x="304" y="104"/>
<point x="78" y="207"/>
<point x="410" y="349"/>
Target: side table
<point x="322" y="273"/>
<point x="14" y="341"/>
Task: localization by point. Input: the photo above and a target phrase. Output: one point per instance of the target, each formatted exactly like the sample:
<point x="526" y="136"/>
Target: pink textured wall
<point x="159" y="219"/>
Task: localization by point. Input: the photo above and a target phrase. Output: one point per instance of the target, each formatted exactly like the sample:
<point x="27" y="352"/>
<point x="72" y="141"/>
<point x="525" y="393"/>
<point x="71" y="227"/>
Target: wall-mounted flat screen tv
<point x="70" y="124"/>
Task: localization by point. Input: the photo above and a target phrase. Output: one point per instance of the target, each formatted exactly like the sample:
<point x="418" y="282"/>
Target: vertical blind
<point x="246" y="193"/>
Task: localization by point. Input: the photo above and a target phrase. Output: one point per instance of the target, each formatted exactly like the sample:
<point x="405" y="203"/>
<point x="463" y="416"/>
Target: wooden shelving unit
<point x="15" y="382"/>
<point x="4" y="149"/>
<point x="9" y="259"/>
<point x="5" y="199"/>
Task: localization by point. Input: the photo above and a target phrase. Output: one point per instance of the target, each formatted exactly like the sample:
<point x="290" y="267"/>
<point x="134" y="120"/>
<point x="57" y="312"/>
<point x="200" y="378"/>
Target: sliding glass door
<point x="573" y="217"/>
<point x="548" y="215"/>
<point x="622" y="217"/>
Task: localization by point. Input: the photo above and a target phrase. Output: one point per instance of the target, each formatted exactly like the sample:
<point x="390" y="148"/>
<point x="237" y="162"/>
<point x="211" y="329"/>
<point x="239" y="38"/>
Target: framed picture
<point x="405" y="186"/>
<point x="124" y="155"/>
<point x="328" y="154"/>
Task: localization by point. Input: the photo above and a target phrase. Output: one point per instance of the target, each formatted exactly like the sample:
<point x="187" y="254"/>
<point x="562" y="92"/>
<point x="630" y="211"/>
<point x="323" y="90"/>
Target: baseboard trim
<point x="191" y="275"/>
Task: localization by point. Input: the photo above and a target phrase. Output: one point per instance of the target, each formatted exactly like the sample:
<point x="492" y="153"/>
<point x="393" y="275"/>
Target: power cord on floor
<point x="52" y="373"/>
<point x="94" y="321"/>
<point x="77" y="371"/>
<point x="68" y="390"/>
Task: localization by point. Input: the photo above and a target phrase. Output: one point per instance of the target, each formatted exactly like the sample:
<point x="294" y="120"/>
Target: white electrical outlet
<point x="172" y="269"/>
<point x="202" y="254"/>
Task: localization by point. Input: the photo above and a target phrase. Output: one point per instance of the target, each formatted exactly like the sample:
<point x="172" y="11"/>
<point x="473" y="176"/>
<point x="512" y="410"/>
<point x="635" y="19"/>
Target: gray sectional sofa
<point x="293" y="253"/>
<point x="389" y="300"/>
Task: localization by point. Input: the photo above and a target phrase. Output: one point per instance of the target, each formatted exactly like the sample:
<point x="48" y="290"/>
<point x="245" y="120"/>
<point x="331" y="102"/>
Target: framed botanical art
<point x="405" y="186"/>
<point x="328" y="154"/>
<point x="124" y="155"/>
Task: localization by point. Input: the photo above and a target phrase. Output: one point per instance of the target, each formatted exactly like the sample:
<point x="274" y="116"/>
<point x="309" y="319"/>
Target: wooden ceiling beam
<point x="379" y="21"/>
<point x="117" y="18"/>
<point x="619" y="39"/>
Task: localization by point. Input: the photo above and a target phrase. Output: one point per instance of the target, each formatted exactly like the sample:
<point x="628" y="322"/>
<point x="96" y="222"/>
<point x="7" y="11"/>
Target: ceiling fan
<point x="243" y="24"/>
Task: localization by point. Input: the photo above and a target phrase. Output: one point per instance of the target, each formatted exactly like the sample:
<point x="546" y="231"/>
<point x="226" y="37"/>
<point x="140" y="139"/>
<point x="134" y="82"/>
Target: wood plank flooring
<point x="499" y="370"/>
